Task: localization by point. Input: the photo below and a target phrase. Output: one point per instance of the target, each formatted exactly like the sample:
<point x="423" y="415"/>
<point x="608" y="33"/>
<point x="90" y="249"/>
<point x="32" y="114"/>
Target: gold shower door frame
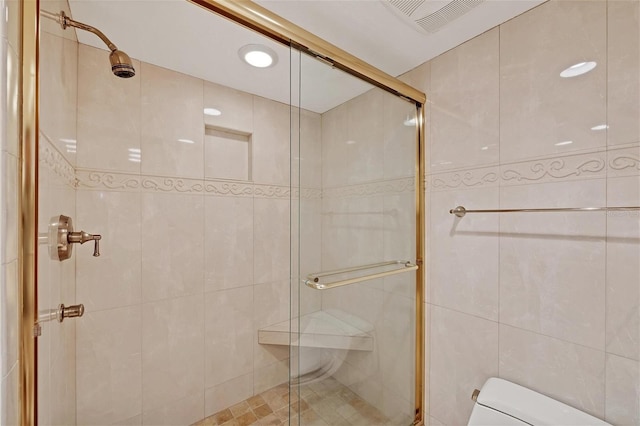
<point x="254" y="17"/>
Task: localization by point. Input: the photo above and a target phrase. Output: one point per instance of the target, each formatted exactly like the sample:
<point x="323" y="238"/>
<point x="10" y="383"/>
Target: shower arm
<point x="65" y="22"/>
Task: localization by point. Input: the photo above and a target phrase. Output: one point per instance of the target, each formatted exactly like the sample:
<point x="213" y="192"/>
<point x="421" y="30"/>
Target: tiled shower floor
<point x="321" y="404"/>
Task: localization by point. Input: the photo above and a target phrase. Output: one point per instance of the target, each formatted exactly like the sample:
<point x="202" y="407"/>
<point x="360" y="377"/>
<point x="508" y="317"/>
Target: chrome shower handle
<point x="82" y="237"/>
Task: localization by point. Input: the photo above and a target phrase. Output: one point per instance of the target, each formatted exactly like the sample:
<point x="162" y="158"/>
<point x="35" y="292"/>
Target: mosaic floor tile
<point x="325" y="403"/>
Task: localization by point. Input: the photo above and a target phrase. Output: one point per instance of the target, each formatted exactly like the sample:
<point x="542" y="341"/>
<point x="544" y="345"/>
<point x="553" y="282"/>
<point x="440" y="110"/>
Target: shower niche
<point x="227" y="154"/>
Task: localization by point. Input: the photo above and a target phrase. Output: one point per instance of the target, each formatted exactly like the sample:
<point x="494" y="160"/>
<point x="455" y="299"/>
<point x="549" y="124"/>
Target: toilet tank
<point x="502" y="403"/>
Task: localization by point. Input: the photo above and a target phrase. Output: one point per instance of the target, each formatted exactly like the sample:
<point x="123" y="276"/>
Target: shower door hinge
<point x="37" y="330"/>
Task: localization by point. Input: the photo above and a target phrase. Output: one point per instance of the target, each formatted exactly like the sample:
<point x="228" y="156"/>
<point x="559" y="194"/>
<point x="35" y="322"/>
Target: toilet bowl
<point x="502" y="403"/>
<point x="317" y="364"/>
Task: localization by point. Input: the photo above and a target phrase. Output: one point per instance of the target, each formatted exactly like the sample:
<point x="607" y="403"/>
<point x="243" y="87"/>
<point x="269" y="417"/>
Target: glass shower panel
<point x="353" y="318"/>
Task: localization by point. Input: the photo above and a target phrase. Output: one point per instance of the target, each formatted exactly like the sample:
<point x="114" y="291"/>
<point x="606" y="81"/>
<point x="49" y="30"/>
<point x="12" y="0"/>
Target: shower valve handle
<point x="82" y="237"/>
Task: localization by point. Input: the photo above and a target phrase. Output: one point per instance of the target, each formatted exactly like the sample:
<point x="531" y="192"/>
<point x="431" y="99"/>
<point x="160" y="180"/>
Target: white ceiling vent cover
<point x="429" y="16"/>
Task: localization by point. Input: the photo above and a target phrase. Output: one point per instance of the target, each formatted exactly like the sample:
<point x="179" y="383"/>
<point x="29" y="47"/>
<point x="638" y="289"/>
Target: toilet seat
<point x="504" y="403"/>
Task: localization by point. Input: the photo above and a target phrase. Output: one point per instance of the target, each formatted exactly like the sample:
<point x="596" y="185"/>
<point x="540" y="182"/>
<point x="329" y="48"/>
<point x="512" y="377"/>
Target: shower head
<point x="121" y="64"/>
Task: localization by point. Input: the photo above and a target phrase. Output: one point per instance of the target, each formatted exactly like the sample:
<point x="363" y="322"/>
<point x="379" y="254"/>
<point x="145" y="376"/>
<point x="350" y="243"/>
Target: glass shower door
<point x="354" y="307"/>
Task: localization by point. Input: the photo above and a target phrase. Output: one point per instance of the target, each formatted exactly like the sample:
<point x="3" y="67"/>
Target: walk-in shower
<point x="263" y="263"/>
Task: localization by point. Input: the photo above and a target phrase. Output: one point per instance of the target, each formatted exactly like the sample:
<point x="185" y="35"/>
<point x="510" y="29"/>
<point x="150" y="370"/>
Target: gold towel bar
<point x="313" y="280"/>
<point x="461" y="211"/>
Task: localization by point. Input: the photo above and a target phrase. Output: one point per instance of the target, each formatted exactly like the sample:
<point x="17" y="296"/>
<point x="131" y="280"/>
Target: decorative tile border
<point x="395" y="186"/>
<point x="558" y="169"/>
<point x="624" y="162"/>
<point x="165" y="184"/>
<point x="308" y="193"/>
<point x="113" y="181"/>
<point x="555" y="169"/>
<point x="477" y="178"/>
<point x="617" y="162"/>
<point x="230" y="189"/>
<point x="271" y="191"/>
<point x="90" y="179"/>
<point x="51" y="158"/>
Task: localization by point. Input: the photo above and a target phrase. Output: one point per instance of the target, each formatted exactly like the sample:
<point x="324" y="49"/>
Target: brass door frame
<point x="252" y="16"/>
<point x="28" y="209"/>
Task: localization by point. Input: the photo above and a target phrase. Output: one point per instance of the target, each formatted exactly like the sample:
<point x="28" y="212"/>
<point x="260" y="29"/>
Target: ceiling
<point x="178" y="35"/>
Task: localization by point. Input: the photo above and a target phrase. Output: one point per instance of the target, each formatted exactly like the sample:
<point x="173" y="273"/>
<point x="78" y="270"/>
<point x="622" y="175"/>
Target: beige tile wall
<point x="108" y="114"/>
<point x="191" y="266"/>
<point x="550" y="301"/>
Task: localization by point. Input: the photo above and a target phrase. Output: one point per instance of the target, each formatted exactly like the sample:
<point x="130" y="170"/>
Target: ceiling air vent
<point x="430" y="16"/>
<point x="407" y="6"/>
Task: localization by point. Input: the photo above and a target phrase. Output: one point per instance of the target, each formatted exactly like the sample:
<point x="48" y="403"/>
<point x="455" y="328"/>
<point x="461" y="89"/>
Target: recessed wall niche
<point x="227" y="154"/>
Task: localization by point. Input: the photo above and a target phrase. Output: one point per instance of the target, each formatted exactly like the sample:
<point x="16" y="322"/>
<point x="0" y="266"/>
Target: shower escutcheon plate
<point x="62" y="237"/>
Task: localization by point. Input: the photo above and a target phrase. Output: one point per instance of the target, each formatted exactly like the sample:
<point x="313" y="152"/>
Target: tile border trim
<point x="115" y="181"/>
<point x="56" y="163"/>
<point x="600" y="164"/>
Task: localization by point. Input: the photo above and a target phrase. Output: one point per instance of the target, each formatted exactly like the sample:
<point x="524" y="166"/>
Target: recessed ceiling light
<point x="484" y="148"/>
<point x="350" y="142"/>
<point x="135" y="160"/>
<point x="258" y="55"/>
<point x="212" y="111"/>
<point x="578" y="69"/>
<point x="135" y="150"/>
<point x="600" y="127"/>
<point x="185" y="141"/>
<point x="564" y="143"/>
<point x="132" y="155"/>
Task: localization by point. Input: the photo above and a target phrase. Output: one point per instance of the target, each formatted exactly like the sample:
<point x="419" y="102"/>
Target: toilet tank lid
<point x="530" y="406"/>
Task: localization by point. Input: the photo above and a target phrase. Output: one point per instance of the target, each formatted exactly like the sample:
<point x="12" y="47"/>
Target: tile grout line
<point x="530" y="331"/>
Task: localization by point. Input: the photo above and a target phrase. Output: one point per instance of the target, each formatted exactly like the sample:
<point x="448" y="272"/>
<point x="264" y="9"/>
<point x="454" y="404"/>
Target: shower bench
<point x="320" y="329"/>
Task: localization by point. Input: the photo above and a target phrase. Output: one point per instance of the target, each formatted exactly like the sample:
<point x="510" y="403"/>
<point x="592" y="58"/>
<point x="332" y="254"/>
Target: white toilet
<point x="502" y="403"/>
